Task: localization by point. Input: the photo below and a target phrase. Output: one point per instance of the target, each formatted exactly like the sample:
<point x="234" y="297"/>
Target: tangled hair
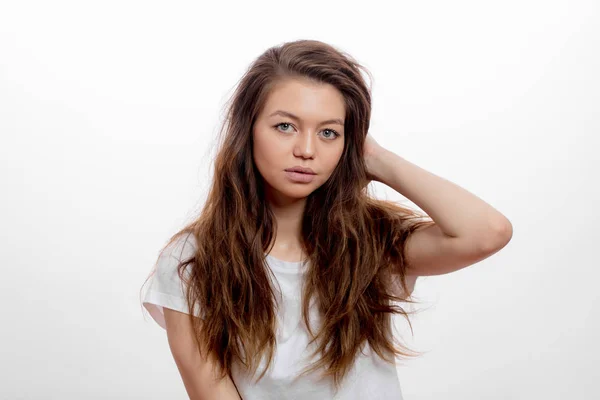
<point x="354" y="243"/>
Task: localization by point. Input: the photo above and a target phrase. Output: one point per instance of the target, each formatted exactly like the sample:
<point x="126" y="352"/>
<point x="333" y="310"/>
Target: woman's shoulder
<point x="180" y="247"/>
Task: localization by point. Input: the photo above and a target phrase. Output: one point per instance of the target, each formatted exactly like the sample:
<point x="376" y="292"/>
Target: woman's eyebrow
<point x="290" y="115"/>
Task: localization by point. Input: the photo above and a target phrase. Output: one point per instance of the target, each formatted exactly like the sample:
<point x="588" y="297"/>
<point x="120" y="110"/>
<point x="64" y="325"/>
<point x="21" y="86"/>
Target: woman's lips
<point x="299" y="177"/>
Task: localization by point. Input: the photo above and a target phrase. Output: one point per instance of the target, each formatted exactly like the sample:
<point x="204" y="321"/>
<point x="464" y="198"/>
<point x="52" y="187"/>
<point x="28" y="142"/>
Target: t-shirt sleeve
<point x="166" y="289"/>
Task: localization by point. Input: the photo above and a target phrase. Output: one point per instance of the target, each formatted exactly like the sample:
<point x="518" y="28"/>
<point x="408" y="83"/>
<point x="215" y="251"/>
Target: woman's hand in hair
<point x="372" y="151"/>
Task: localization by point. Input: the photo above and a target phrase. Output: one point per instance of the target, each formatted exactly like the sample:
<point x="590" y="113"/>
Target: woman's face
<point x="301" y="124"/>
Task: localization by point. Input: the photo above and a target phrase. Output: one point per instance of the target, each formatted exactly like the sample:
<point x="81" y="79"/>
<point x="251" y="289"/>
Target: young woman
<point x="292" y="269"/>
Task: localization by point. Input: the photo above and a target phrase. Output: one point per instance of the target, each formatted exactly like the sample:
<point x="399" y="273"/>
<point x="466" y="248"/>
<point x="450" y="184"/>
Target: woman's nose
<point x="305" y="145"/>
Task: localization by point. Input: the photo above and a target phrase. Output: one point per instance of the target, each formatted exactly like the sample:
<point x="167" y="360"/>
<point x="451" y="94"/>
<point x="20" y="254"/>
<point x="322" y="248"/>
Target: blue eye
<point x="283" y="123"/>
<point x="335" y="134"/>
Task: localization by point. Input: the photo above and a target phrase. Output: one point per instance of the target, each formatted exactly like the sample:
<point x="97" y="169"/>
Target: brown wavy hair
<point x="354" y="243"/>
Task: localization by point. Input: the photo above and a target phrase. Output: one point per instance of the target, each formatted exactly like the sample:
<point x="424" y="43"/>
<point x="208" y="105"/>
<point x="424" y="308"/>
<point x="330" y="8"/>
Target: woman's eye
<point x="333" y="133"/>
<point x="283" y="123"/>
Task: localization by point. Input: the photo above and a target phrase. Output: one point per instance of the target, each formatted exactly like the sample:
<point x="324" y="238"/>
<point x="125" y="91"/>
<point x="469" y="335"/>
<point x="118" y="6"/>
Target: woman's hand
<point x="372" y="151"/>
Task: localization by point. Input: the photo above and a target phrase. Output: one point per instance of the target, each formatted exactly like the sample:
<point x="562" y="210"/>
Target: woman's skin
<point x="298" y="142"/>
<point x="466" y="229"/>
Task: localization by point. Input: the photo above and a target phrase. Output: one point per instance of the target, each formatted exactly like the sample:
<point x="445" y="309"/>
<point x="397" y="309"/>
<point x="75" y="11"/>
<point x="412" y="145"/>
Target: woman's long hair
<point x="354" y="242"/>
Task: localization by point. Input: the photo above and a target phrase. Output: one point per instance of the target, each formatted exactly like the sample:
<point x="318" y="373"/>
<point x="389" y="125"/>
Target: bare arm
<point x="198" y="374"/>
<point x="466" y="229"/>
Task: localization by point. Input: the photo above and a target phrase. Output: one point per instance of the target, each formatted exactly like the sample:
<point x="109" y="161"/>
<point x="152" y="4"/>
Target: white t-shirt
<point x="369" y="378"/>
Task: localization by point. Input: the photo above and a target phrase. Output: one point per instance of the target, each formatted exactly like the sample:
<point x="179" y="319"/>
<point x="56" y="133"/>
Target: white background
<point x="107" y="114"/>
